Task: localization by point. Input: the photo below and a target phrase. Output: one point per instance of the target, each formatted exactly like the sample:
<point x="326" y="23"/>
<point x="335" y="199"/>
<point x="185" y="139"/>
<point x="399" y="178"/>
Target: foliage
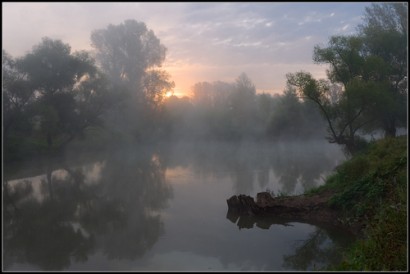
<point x="130" y="56"/>
<point x="371" y="188"/>
<point x="384" y="33"/>
<point x="292" y="118"/>
<point x="126" y="51"/>
<point x="51" y="96"/>
<point x="344" y="114"/>
<point x="233" y="112"/>
<point x="371" y="68"/>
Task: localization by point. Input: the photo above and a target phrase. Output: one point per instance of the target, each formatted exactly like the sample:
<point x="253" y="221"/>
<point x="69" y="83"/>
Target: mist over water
<point x="164" y="208"/>
<point x="109" y="165"/>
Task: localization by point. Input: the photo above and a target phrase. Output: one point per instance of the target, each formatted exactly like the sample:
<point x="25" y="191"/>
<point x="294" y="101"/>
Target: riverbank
<point x="372" y="188"/>
<point x="367" y="195"/>
<point x="371" y="193"/>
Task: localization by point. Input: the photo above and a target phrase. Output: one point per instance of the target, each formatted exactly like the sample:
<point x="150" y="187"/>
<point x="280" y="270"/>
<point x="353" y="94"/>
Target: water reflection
<point x="321" y="249"/>
<point x="73" y="218"/>
<point x="290" y="168"/>
<point x="108" y="211"/>
<point x="40" y="232"/>
<point x="248" y="221"/>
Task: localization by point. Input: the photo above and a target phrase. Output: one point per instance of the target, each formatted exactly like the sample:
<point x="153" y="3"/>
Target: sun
<point x="175" y="92"/>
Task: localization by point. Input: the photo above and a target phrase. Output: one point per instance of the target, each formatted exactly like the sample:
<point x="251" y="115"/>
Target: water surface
<point x="164" y="208"/>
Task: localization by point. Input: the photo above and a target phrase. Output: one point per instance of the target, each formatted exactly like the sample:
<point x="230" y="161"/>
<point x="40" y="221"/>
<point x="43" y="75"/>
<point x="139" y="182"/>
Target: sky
<point x="205" y="41"/>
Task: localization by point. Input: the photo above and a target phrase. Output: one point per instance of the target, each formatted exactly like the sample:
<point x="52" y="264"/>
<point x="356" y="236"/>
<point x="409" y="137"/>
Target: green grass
<point x="372" y="187"/>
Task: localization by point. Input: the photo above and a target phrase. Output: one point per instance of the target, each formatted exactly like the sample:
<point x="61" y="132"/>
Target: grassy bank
<point x="371" y="191"/>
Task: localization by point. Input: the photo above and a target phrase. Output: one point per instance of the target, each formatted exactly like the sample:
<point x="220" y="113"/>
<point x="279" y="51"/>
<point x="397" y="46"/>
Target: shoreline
<point x="314" y="209"/>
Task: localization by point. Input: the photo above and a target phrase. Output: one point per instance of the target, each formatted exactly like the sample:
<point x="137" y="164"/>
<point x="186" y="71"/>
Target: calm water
<point x="165" y="208"/>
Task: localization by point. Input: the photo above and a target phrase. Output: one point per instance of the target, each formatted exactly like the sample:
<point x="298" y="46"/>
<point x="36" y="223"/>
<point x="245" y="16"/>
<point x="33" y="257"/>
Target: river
<point x="163" y="208"/>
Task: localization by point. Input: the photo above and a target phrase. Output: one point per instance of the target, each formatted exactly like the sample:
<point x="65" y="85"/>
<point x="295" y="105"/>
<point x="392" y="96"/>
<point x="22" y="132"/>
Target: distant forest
<point x="53" y="97"/>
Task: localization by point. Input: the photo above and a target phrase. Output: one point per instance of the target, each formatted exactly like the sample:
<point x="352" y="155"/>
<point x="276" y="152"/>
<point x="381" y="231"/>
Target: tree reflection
<point x="249" y="165"/>
<point x="41" y="232"/>
<point x="137" y="184"/>
<point x="305" y="166"/>
<point x="73" y="218"/>
<point x="242" y="177"/>
<point x="249" y="221"/>
<point x="321" y="249"/>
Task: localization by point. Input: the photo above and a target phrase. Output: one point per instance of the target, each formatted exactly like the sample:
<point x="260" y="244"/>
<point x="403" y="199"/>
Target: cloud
<point x="204" y="40"/>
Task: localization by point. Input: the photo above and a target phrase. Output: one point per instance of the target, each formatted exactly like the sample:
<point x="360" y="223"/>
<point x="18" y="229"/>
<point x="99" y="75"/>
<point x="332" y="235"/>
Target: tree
<point x="345" y="116"/>
<point x="202" y="93"/>
<point x="286" y="117"/>
<point x="126" y="52"/>
<point x="130" y="55"/>
<point x="265" y="106"/>
<point x="292" y="118"/>
<point x="242" y="103"/>
<point x="211" y="114"/>
<point x="244" y="85"/>
<point x="61" y="93"/>
<point x="17" y="97"/>
<point x="344" y="56"/>
<point x="372" y="69"/>
<point x="156" y="84"/>
<point x="384" y="34"/>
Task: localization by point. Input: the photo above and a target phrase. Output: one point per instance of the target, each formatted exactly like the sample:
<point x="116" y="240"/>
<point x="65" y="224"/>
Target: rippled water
<point x="164" y="208"/>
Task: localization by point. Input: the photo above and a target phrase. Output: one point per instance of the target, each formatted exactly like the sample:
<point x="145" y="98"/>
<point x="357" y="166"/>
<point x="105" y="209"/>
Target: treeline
<point x="52" y="96"/>
<point x="116" y="94"/>
<point x="233" y="112"/>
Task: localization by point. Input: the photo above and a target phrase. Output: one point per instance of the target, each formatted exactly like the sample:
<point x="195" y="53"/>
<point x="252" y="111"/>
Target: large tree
<point x="126" y="52"/>
<point x="242" y="104"/>
<point x="371" y="69"/>
<point x="131" y="56"/>
<point x="344" y="116"/>
<point x="17" y="96"/>
<point x="384" y="33"/>
<point x="60" y="93"/>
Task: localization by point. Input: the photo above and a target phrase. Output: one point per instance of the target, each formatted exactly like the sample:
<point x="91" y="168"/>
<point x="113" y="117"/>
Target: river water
<point x="164" y="208"/>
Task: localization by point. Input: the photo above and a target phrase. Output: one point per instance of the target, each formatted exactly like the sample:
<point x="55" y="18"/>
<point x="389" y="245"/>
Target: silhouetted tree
<point x="372" y="70"/>
<point x="242" y="104"/>
<point x="17" y="95"/>
<point x="55" y="94"/>
<point x="384" y="33"/>
<point x="130" y="55"/>
<point x="344" y="117"/>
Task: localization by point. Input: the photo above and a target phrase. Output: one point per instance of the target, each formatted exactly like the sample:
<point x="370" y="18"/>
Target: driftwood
<point x="266" y="210"/>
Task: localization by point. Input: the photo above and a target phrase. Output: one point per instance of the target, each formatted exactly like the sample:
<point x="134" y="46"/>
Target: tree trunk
<point x="49" y="140"/>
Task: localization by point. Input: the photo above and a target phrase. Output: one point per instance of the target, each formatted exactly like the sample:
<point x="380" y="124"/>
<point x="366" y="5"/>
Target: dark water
<point x="164" y="209"/>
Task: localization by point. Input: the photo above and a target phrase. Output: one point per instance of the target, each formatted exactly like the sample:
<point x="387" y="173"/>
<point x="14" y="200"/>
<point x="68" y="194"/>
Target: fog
<point x="137" y="207"/>
<point x="107" y="166"/>
<point x="119" y="94"/>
